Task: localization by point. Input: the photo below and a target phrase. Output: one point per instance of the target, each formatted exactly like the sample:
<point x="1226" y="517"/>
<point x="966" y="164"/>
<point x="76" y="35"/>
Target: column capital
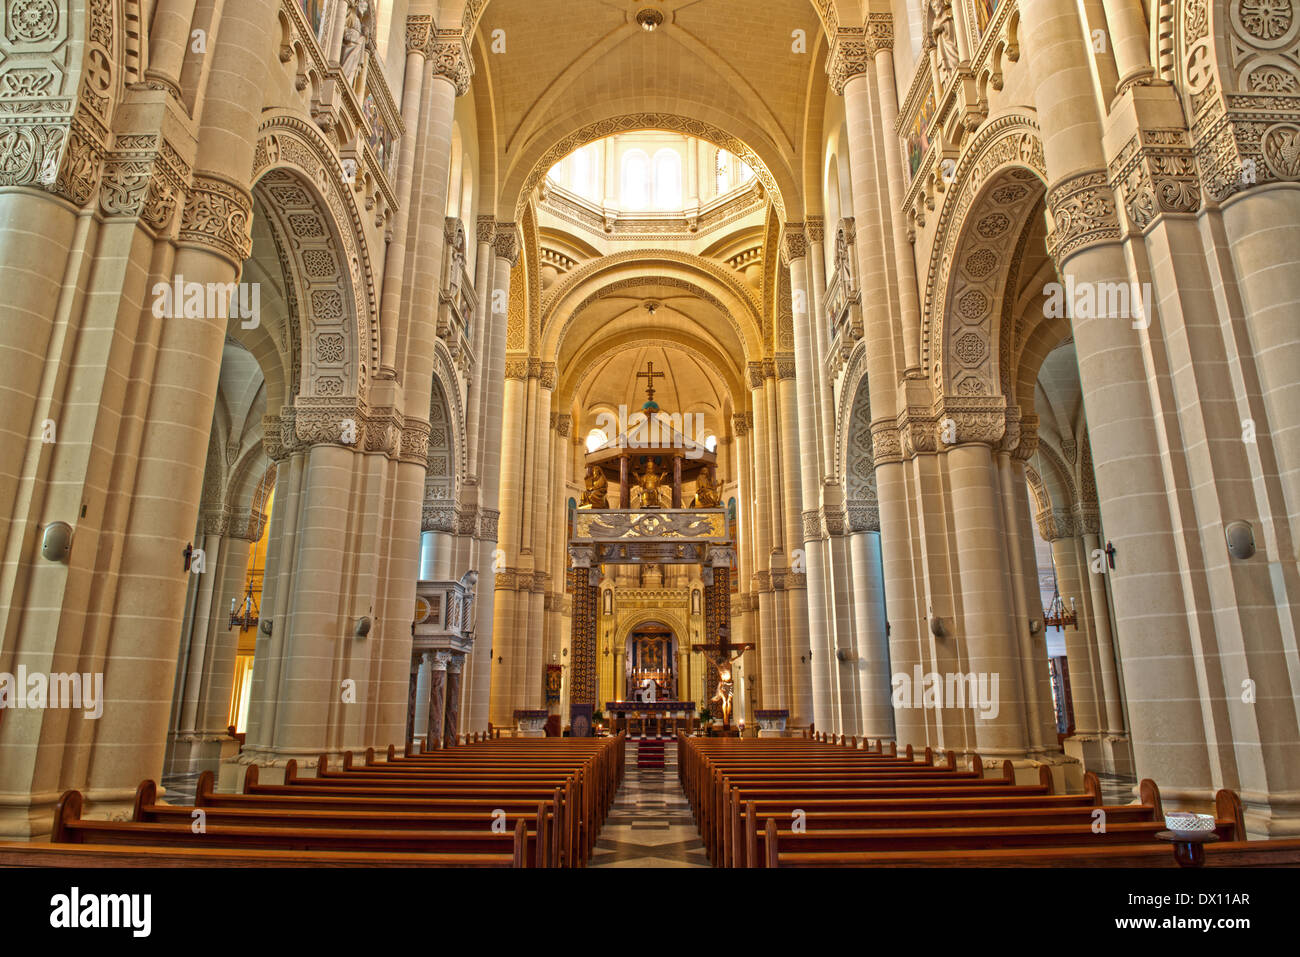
<point x="794" y="244"/>
<point x="508" y="243"/>
<point x="863" y="516"/>
<point x="517" y="368"/>
<point x="1082" y="212"/>
<point x="547" y="376"/>
<point x="1155" y="173"/>
<point x="439" y="517"/>
<point x="485" y="230"/>
<point x="563" y="424"/>
<point x="419" y="31"/>
<point x="754" y="372"/>
<point x="451" y="59"/>
<point x="815" y="229"/>
<point x="739" y="424"/>
<point x="849" y="57"/>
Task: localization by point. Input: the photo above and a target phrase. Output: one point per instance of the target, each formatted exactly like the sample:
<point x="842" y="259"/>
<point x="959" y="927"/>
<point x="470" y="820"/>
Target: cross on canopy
<point x="650" y="375"/>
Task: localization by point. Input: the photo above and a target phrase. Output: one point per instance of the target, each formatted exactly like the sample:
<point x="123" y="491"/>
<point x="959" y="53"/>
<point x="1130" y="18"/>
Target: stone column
<point x="1131" y="40"/>
<point x="796" y="581"/>
<point x="868" y="586"/>
<point x="169" y="40"/>
<point x="437" y="698"/>
<point x="423" y="691"/>
<point x="451" y="725"/>
<point x="808" y="455"/>
<point x="986" y="624"/>
<point x="1165" y="701"/>
<point x="418" y="34"/>
<point x="770" y="652"/>
<point x="140" y="643"/>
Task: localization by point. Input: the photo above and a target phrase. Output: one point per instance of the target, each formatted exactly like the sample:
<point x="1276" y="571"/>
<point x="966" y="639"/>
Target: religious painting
<point x="918" y="138"/>
<point x="984" y="10"/>
<point x="314" y="11"/>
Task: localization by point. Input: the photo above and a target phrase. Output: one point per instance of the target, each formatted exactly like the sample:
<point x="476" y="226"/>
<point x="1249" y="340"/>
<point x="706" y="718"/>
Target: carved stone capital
<point x="815" y="229"/>
<point x="563" y="425"/>
<point x="451" y="59"/>
<point x="546" y="375"/>
<point x="783" y="367"/>
<point x="415" y="441"/>
<point x="1155" y="173"/>
<point x="863" y="517"/>
<point x="886" y="443"/>
<point x="794" y="244"/>
<point x="507" y="243"/>
<point x="517" y="368"/>
<point x="813" y="529"/>
<point x="849" y="57"/>
<point x="439" y="517"/>
<point x="218" y="215"/>
<point x="419" y="31"/>
<point x="740" y="424"/>
<point x="1082" y="212"/>
<point x="144" y="179"/>
<point x="754" y="372"/>
<point x="487" y="524"/>
<point x="485" y="229"/>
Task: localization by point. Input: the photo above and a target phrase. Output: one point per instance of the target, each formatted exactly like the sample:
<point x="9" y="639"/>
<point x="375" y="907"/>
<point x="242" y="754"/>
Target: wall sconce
<point x="1241" y="540"/>
<point x="266" y="626"/>
<point x="362" y="627"/>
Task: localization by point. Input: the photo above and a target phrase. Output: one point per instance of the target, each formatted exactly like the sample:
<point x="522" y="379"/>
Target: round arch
<point x="998" y="183"/>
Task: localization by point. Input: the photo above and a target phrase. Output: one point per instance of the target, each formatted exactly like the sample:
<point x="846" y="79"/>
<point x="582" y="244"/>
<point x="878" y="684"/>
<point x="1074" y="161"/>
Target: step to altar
<point x="650" y="753"/>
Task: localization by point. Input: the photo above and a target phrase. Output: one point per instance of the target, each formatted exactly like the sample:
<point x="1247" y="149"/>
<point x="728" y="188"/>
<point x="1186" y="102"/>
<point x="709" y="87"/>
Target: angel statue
<point x="942" y="30"/>
<point x="358" y="35"/>
<point x="597" y="493"/>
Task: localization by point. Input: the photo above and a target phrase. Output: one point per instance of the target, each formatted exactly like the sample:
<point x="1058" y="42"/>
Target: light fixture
<point x="649" y="19"/>
<point x="1056" y="616"/>
<point x="244" y="615"/>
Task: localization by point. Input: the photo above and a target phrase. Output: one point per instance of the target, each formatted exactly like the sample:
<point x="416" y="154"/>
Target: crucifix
<point x="723" y="653"/>
<point x="650" y="375"/>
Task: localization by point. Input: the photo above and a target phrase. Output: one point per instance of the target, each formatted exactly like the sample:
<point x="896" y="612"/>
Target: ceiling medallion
<point x="649" y="19"/>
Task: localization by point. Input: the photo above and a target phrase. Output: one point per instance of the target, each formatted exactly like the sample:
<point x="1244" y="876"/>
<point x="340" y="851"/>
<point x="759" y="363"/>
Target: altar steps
<point x="650" y="753"/>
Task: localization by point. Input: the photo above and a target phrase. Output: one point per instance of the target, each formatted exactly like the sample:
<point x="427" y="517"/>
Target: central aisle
<point x="651" y="824"/>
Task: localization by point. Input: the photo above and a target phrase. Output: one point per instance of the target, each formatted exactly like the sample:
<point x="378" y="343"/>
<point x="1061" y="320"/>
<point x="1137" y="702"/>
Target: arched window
<point x="595" y="439"/>
<point x="636" y="180"/>
<point x="711" y="443"/>
<point x="668" y="180"/>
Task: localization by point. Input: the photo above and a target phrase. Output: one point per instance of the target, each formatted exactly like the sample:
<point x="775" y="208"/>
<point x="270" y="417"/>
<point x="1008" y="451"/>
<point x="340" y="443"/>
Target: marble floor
<point x="651" y="823"/>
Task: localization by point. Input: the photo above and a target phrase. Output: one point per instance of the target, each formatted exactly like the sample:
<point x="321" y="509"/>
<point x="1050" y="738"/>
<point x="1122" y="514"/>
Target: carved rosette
<point x="1082" y="209"/>
<point x="451" y="59"/>
<point x="1155" y="173"/>
<point x="218" y="215"/>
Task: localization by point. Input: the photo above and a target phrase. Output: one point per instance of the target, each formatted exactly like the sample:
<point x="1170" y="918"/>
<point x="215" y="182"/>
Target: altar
<point x="651" y="718"/>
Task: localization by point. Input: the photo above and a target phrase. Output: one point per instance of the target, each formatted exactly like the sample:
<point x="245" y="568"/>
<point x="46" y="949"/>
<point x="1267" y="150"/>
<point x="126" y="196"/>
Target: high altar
<point x="668" y="512"/>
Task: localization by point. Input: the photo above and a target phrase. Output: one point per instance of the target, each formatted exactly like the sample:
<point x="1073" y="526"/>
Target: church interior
<point x="484" y="433"/>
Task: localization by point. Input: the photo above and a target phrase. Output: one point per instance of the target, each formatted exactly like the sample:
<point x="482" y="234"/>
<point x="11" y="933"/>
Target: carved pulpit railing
<point x="443" y="631"/>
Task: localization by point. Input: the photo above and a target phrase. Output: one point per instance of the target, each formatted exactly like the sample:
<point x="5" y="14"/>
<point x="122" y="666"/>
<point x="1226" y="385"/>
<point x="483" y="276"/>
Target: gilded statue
<point x="650" y="491"/>
<point x="706" y="490"/>
<point x="597" y="492"/>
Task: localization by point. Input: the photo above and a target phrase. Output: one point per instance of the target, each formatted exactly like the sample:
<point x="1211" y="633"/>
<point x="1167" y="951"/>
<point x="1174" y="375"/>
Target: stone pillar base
<point x="772" y="733"/>
<point x="1089" y="750"/>
<point x="1117" y="752"/>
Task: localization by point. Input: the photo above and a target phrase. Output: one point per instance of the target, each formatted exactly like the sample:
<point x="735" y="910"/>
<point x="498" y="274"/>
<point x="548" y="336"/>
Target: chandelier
<point x="244" y="615"/>
<point x="1056" y="616"/>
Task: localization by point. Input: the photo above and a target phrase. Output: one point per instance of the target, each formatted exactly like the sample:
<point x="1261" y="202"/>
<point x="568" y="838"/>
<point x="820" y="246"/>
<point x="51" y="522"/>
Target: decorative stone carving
<point x="419" y="31"/>
<point x="1082" y="210"/>
<point x="507" y="243"/>
<point x="1155" y="173"/>
<point x="451" y="59"/>
<point x="813" y="529"/>
<point x="794" y="244"/>
<point x="850" y="57"/>
<point x="218" y="214"/>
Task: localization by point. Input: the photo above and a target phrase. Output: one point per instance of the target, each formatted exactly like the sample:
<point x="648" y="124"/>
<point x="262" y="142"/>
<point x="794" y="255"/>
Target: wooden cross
<point x="722" y="651"/>
<point x="650" y="375"/>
